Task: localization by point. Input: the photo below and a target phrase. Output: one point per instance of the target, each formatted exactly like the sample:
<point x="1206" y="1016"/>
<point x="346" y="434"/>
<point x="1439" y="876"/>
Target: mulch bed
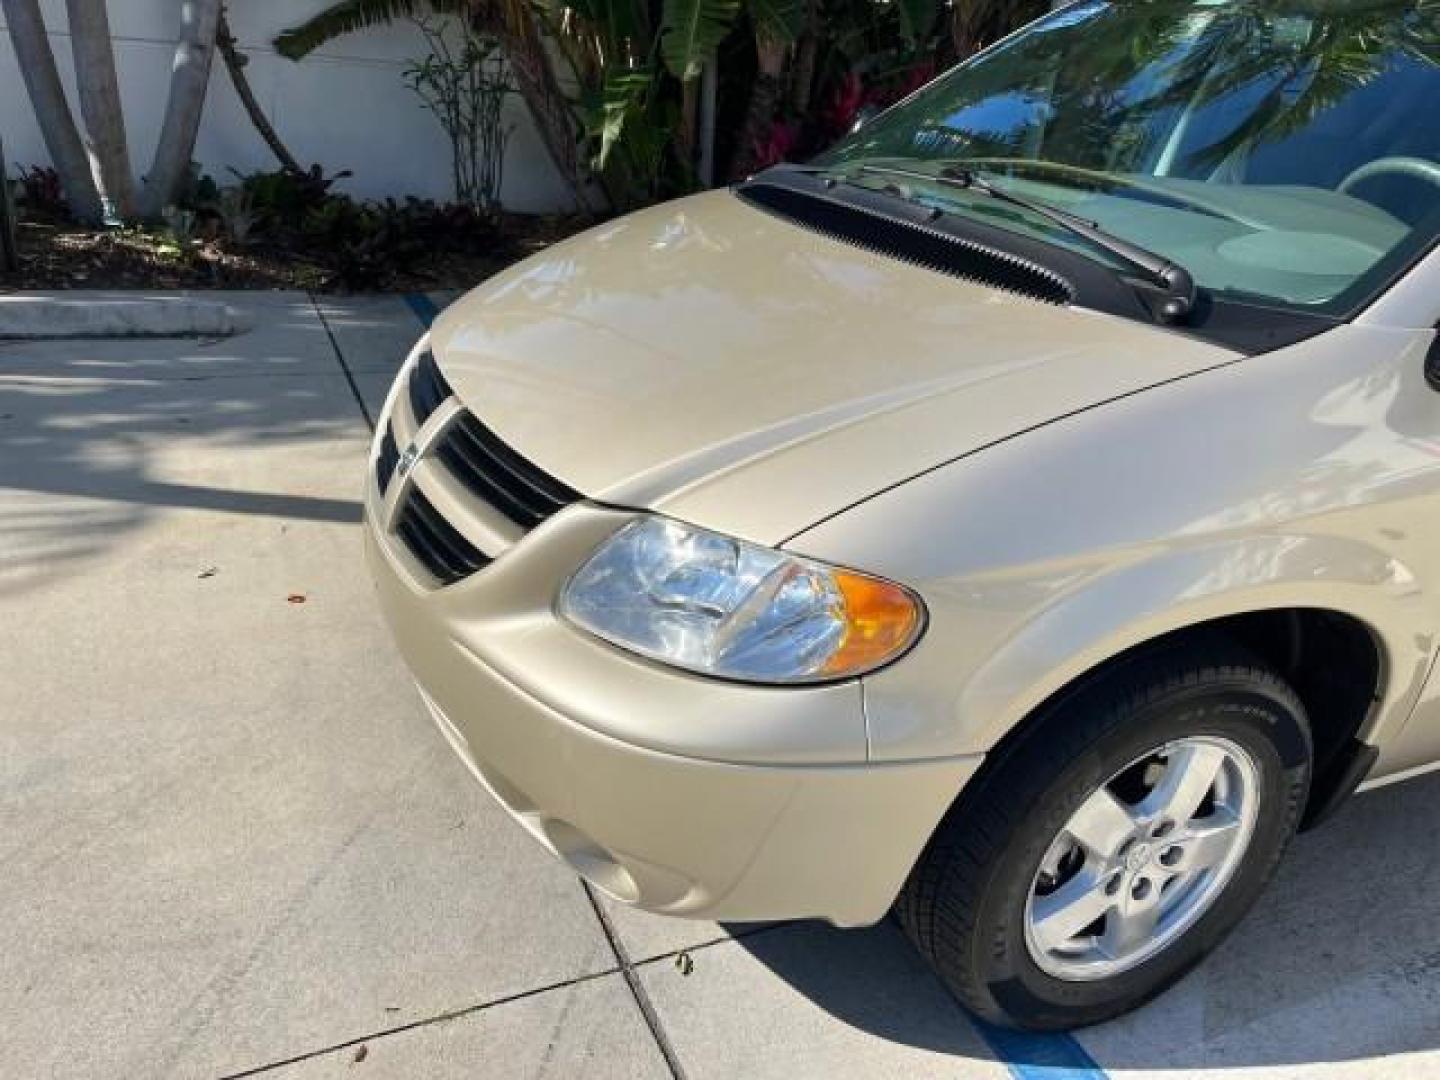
<point x="59" y="255"/>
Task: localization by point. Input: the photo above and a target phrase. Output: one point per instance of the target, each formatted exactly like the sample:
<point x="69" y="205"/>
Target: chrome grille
<point x="482" y="466"/>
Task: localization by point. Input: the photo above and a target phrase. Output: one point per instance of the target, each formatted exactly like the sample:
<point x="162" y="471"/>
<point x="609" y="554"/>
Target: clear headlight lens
<point x="724" y="607"/>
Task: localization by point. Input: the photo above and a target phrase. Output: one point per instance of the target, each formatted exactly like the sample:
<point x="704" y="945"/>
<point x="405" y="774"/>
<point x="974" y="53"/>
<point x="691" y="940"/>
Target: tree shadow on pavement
<point x="92" y="447"/>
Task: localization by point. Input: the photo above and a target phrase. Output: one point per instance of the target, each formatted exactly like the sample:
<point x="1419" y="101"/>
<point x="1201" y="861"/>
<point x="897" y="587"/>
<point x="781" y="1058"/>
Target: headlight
<point x="724" y="607"/>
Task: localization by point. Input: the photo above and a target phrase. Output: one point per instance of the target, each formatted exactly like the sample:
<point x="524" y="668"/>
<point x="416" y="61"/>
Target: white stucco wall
<point x="344" y="106"/>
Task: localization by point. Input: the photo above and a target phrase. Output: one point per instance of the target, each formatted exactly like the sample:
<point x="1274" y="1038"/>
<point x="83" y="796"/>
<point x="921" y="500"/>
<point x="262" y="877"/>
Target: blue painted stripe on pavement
<point x="1031" y="1055"/>
<point x="423" y="307"/>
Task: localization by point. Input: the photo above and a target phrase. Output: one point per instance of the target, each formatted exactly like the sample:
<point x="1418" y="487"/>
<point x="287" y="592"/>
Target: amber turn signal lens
<point x="881" y="621"/>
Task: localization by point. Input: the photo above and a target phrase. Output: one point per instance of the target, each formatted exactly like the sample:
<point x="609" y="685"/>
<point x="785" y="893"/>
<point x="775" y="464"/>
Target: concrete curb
<point x="35" y="317"/>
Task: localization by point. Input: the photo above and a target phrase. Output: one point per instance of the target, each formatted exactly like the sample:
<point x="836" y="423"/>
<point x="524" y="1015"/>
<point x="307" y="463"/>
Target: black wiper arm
<point x="1178" y="283"/>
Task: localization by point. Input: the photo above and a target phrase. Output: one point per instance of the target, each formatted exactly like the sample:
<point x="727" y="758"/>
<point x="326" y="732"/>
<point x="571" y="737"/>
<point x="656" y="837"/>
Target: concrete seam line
<point x="712" y="942"/>
<point x="637" y="988"/>
<point x="340" y="357"/>
<point x="439" y="1018"/>
<point x="1028" y="1055"/>
<point x="426" y="311"/>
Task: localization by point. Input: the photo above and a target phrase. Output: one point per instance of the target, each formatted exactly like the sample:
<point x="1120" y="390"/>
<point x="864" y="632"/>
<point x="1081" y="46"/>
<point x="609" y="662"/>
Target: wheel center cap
<point x="1137" y="858"/>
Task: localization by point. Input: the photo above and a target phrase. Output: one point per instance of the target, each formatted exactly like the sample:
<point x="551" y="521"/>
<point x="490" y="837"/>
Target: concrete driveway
<point x="233" y="845"/>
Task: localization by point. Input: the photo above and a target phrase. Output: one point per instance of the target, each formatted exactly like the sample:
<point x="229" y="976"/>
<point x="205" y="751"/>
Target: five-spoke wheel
<point x="1125" y="877"/>
<point x="1114" y="840"/>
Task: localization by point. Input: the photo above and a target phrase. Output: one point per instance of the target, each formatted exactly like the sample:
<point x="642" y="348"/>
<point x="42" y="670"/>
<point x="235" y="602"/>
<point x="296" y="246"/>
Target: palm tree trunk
<point x="9" y="246"/>
<point x="686" y="131"/>
<point x="100" y="104"/>
<point x="514" y="24"/>
<point x="52" y="111"/>
<point x="189" y="80"/>
<point x="802" y="83"/>
<point x="709" y="93"/>
<point x="760" y="114"/>
<point x="235" y="62"/>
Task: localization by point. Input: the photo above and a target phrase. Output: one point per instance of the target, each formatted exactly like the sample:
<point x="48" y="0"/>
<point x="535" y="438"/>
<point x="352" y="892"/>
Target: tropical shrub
<point x="667" y="95"/>
<point x="41" y="193"/>
<point x="284" y="198"/>
<point x="465" y="84"/>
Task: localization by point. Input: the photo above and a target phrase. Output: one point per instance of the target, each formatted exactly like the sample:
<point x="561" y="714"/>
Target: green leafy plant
<point x="464" y="82"/>
<point x="284" y="197"/>
<point x="179" y="225"/>
<point x="643" y="73"/>
<point x="196" y="189"/>
<point x="41" y="193"/>
<point x="691" y="31"/>
<point x="236" y="209"/>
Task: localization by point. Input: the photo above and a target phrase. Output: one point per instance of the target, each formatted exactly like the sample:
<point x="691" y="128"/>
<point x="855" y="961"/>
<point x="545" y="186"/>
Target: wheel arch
<point x="1334" y="660"/>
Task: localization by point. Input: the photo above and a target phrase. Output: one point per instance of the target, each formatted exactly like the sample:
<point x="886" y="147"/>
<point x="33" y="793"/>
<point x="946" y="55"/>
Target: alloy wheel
<point x="1142" y="859"/>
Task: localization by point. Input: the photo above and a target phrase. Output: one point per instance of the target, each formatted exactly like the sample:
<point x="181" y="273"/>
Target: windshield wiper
<point x="1179" y="285"/>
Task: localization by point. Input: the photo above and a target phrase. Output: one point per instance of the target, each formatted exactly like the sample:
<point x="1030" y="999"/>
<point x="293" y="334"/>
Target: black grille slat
<point x="386" y="460"/>
<point x="460" y="552"/>
<point x="477" y="478"/>
<point x="427" y="388"/>
<point x="435" y="542"/>
<point x="477" y="458"/>
<point x="483" y="463"/>
<point x="431" y="553"/>
<point x="546" y="489"/>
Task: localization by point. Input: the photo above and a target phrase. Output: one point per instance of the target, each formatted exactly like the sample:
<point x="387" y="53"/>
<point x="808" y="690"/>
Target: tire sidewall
<point x="1266" y="726"/>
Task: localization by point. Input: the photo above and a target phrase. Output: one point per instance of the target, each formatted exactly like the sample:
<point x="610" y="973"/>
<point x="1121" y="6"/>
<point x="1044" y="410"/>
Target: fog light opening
<point x="591" y="861"/>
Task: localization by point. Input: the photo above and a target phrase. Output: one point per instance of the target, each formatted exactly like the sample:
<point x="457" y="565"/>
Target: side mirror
<point x="1432" y="363"/>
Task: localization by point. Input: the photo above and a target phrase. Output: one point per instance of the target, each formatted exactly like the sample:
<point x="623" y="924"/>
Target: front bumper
<point x="675" y="793"/>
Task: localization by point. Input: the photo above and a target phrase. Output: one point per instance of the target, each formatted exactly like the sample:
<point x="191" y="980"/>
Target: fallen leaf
<point x="296" y="598"/>
<point x="209" y="571"/>
<point x="684" y="964"/>
<point x="362" y="1053"/>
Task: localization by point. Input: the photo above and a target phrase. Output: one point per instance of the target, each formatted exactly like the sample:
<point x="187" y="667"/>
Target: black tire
<point x="964" y="903"/>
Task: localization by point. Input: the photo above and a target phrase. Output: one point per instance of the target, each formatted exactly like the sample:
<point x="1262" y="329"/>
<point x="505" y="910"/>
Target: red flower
<point x="844" y="104"/>
<point x="918" y="75"/>
<point x="774" y="146"/>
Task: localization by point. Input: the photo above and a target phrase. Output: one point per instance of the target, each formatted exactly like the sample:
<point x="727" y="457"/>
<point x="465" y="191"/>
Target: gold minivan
<point x="1023" y="517"/>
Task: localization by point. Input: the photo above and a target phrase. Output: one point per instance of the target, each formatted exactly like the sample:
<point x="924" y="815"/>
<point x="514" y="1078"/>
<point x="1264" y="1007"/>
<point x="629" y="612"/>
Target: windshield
<point x="1285" y="152"/>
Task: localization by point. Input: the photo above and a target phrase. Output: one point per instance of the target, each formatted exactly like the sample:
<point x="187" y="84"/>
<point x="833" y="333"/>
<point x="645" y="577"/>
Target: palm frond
<point x="777" y="20"/>
<point x="623" y="100"/>
<point x="690" y="32"/>
<point x="350" y="15"/>
<point x="916" y="19"/>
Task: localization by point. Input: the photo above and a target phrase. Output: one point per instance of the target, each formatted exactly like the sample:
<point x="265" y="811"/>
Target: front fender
<point x="986" y="664"/>
<point x="1176" y="590"/>
<point x="1303" y="478"/>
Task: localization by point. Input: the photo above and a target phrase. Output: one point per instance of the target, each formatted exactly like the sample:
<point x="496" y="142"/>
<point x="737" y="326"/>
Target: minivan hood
<point x="711" y="361"/>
